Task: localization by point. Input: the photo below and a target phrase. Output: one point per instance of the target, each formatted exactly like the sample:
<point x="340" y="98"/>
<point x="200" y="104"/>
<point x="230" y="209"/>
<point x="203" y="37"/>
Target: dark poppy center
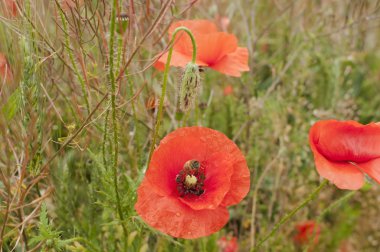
<point x="190" y="180"/>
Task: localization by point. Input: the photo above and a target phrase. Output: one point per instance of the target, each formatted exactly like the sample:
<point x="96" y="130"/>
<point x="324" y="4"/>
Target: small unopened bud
<point x="189" y="86"/>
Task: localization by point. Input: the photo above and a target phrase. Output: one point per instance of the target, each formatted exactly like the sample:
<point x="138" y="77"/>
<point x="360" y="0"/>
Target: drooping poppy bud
<point x="189" y="86"/>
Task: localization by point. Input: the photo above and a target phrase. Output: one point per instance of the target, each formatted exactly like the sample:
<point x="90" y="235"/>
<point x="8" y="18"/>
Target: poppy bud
<point x="189" y="86"/>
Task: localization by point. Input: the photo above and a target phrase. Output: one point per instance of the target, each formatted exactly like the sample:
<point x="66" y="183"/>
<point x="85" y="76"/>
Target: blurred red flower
<point x="345" y="150"/>
<point x="194" y="174"/>
<point x="9" y="7"/>
<point x="228" y="90"/>
<point x="307" y="232"/>
<point x="222" y="22"/>
<point x="228" y="245"/>
<point x="217" y="50"/>
<point x="5" y="70"/>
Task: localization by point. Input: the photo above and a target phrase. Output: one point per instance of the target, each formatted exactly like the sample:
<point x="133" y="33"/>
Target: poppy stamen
<point x="190" y="180"/>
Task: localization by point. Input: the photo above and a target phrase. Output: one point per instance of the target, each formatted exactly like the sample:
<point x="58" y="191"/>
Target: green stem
<point x="291" y="214"/>
<point x="336" y="204"/>
<point x="114" y="118"/>
<point x="165" y="81"/>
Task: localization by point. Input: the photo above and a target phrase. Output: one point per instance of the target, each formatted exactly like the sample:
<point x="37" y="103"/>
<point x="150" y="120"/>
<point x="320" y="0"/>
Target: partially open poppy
<point x="346" y="150"/>
<point x="307" y="233"/>
<point x="5" y="70"/>
<point x="217" y="50"/>
<point x="194" y="174"/>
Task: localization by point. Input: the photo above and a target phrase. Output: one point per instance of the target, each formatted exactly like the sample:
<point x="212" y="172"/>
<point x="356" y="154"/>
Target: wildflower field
<point x="190" y="125"/>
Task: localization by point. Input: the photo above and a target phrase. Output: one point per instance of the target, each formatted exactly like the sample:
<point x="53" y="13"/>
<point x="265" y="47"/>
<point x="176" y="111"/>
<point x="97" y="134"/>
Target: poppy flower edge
<point x="346" y="150"/>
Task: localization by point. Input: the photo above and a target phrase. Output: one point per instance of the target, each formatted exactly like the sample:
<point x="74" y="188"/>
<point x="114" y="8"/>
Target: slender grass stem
<point x="291" y="214"/>
<point x="72" y="60"/>
<point x="165" y="81"/>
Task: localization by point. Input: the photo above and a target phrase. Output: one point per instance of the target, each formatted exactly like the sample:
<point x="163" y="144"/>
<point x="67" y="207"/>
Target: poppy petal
<point x="168" y="159"/>
<point x="347" y="141"/>
<point x="195" y="26"/>
<point x="212" y="47"/>
<point x="343" y="174"/>
<point x="178" y="60"/>
<point x="240" y="182"/>
<point x="217" y="183"/>
<point x="172" y="217"/>
<point x="233" y="63"/>
<point x="372" y="168"/>
<point x="196" y="143"/>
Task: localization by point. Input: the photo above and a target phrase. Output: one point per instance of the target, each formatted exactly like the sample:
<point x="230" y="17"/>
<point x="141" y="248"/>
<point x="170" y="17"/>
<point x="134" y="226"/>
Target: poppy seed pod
<point x="189" y="86"/>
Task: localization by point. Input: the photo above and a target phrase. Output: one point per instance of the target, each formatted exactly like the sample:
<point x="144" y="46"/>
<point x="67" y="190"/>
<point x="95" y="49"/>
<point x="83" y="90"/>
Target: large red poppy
<point x="5" y="70"/>
<point x="346" y="150"/>
<point x="217" y="50"/>
<point x="307" y="232"/>
<point x="194" y="174"/>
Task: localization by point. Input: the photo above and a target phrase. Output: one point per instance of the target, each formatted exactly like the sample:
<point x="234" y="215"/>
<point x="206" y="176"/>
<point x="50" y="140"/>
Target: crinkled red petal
<point x="341" y="141"/>
<point x="172" y="217"/>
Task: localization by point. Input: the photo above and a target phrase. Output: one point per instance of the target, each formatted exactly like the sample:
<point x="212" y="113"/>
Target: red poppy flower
<point x="9" y="7"/>
<point x="5" y="70"/>
<point x="217" y="50"/>
<point x="193" y="176"/>
<point x="228" y="90"/>
<point x="307" y="232"/>
<point x="228" y="245"/>
<point x="346" y="150"/>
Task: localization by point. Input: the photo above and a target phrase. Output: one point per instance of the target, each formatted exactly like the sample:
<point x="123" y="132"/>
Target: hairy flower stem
<point x="114" y="118"/>
<point x="165" y="81"/>
<point x="291" y="214"/>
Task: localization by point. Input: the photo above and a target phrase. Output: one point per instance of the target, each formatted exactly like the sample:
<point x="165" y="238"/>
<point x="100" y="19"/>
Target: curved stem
<point x="291" y="214"/>
<point x="165" y="81"/>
